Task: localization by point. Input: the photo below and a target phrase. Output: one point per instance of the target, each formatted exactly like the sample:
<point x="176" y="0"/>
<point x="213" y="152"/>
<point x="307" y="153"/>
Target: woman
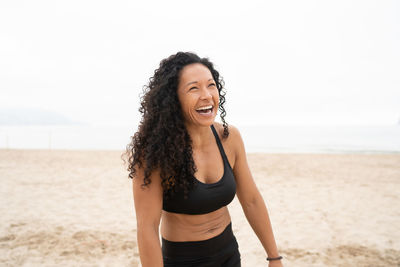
<point x="188" y="168"/>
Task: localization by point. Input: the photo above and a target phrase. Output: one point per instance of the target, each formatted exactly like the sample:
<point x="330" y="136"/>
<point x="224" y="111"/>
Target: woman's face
<point x="198" y="95"/>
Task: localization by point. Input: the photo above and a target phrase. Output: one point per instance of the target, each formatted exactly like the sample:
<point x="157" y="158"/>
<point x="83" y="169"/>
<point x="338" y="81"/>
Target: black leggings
<point x="219" y="251"/>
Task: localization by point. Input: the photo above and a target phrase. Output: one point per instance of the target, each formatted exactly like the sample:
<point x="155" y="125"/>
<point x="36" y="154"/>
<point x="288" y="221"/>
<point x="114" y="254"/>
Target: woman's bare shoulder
<point x="234" y="133"/>
<point x="234" y="141"/>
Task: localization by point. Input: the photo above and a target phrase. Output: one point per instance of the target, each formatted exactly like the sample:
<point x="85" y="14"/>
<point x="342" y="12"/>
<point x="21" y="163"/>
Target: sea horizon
<point x="257" y="139"/>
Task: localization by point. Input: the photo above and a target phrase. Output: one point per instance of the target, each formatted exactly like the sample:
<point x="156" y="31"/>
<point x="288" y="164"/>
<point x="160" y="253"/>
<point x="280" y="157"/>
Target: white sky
<point x="283" y="62"/>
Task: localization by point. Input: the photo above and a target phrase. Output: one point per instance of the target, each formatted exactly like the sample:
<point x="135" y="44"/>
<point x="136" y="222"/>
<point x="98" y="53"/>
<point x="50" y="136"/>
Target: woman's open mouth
<point x="206" y="110"/>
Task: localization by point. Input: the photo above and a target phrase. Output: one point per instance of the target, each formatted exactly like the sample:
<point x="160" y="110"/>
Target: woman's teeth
<point x="206" y="107"/>
<point x="205" y="110"/>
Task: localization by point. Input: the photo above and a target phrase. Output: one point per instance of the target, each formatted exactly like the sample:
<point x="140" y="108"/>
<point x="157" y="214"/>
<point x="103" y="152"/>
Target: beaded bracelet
<point x="274" y="259"/>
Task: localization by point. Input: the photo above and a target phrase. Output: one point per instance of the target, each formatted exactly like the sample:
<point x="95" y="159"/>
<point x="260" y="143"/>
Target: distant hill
<point x="32" y="116"/>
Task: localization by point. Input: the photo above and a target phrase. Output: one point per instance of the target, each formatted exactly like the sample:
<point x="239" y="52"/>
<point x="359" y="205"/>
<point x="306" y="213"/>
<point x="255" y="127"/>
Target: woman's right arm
<point x="148" y="206"/>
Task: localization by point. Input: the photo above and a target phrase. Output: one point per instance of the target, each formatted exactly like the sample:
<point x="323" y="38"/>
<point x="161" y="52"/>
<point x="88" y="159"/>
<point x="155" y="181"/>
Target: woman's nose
<point x="205" y="93"/>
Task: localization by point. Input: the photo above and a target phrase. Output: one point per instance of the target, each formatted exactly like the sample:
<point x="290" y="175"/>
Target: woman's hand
<point x="277" y="263"/>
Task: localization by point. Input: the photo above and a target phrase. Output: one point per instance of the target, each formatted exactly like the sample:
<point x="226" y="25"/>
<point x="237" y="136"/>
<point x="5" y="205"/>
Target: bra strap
<point x="221" y="148"/>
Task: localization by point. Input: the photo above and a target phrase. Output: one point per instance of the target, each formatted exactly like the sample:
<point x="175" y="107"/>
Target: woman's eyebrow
<point x="197" y="81"/>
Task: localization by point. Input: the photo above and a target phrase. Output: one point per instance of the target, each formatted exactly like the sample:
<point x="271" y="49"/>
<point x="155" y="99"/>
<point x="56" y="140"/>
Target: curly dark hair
<point x="162" y="141"/>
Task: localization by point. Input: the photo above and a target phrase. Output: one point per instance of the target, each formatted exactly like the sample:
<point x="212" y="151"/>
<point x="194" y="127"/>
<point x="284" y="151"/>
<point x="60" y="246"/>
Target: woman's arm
<point x="252" y="202"/>
<point x="148" y="206"/>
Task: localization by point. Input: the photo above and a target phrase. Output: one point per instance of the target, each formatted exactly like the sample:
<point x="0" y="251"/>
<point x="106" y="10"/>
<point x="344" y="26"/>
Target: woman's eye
<point x="194" y="87"/>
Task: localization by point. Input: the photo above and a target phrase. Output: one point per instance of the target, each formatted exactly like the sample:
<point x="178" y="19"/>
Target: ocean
<point x="268" y="139"/>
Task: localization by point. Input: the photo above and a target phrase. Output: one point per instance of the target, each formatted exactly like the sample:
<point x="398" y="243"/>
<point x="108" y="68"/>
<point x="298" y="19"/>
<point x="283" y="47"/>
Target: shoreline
<point x="272" y="152"/>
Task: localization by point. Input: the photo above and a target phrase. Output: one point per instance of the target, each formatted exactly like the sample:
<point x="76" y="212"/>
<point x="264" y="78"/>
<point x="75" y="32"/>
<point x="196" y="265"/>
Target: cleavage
<point x="209" y="169"/>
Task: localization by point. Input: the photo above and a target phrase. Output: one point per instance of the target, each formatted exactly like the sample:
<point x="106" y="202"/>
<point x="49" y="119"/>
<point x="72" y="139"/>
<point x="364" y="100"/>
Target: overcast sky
<point x="283" y="62"/>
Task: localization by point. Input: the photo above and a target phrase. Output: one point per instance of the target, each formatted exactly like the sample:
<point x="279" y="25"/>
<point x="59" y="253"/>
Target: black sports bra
<point x="205" y="198"/>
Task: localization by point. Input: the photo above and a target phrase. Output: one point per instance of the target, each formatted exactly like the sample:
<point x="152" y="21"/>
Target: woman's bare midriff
<point x="185" y="227"/>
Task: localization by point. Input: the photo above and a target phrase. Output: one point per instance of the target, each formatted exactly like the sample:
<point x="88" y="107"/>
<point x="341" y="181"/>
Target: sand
<point x="75" y="208"/>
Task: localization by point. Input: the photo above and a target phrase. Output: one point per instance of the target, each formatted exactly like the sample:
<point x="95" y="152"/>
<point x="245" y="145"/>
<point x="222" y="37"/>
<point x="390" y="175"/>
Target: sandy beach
<point x="75" y="208"/>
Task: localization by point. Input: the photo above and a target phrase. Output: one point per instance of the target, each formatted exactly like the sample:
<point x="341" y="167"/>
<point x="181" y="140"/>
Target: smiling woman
<point x="186" y="168"/>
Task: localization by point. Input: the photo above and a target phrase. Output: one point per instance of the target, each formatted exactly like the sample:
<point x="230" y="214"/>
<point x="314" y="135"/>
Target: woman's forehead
<point x="195" y="72"/>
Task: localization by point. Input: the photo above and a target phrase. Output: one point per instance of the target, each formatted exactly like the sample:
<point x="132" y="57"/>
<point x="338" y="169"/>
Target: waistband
<point x="173" y="249"/>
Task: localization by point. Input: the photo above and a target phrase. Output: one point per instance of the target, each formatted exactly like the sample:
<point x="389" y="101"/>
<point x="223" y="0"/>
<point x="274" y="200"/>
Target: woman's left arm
<point x="252" y="202"/>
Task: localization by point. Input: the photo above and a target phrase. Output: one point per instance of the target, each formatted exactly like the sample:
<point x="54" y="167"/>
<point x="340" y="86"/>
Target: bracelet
<point x="274" y="259"/>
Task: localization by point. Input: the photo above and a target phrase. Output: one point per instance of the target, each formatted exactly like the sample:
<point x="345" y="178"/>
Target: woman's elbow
<point x="147" y="229"/>
<point x="251" y="201"/>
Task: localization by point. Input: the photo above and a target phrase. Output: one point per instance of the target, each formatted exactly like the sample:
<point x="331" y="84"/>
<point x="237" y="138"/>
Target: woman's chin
<point x="206" y="120"/>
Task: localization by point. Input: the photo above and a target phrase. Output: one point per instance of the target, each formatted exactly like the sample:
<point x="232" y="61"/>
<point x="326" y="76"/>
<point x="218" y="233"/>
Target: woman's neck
<point x="200" y="135"/>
